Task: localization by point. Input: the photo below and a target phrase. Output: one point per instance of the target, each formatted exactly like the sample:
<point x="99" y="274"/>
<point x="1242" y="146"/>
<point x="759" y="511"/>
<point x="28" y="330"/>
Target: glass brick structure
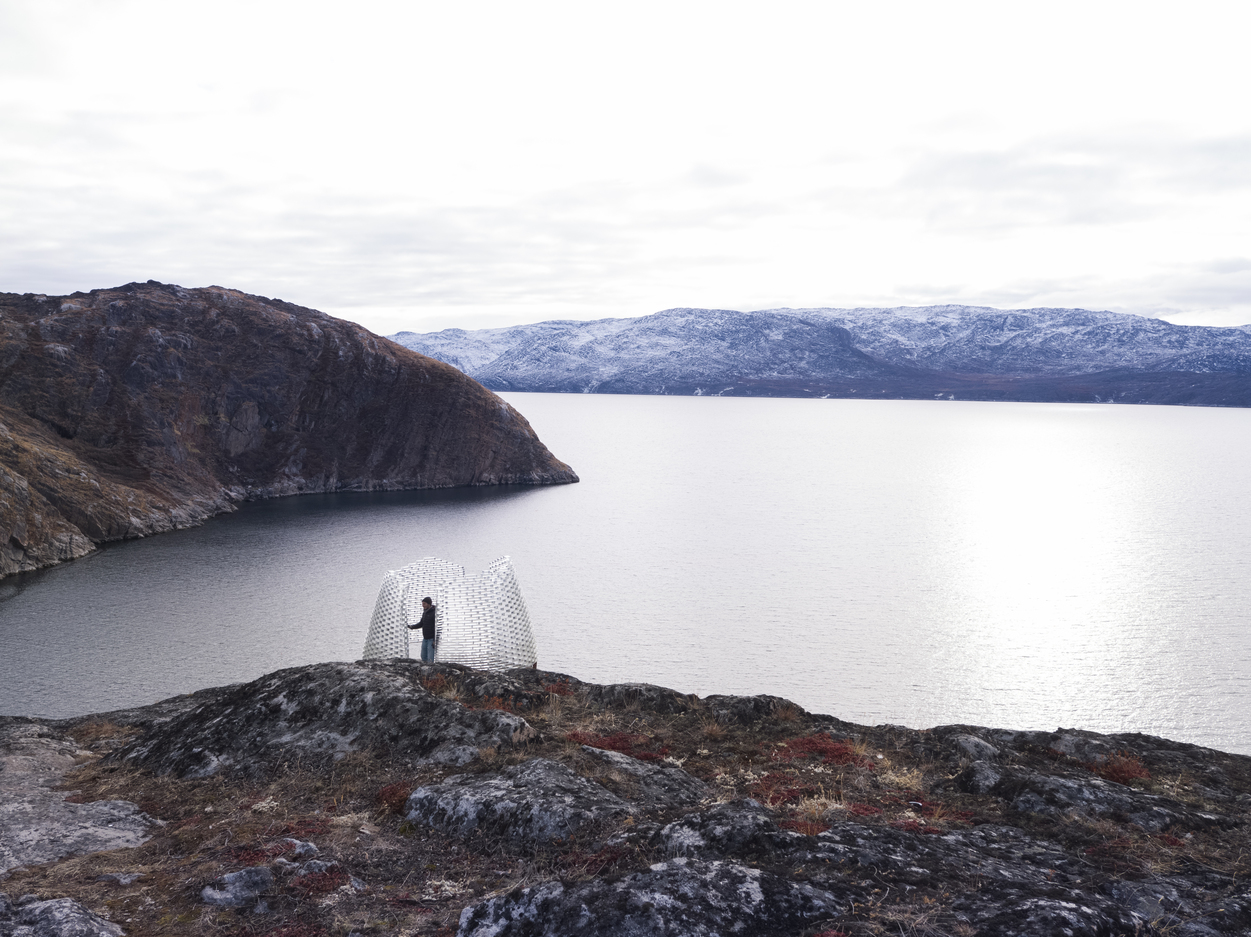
<point x="481" y="620"/>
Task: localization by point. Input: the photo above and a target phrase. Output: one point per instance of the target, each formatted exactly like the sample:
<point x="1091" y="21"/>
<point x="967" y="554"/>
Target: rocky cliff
<point x="389" y="797"/>
<point x="130" y="411"/>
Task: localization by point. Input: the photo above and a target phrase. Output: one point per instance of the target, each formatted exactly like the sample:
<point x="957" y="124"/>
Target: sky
<point x="420" y="166"/>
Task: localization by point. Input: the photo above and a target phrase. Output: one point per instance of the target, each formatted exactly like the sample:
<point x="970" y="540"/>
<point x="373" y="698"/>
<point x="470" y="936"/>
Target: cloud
<point x="590" y="165"/>
<point x="1121" y="178"/>
<point x="23" y="48"/>
<point x="1228" y="265"/>
<point x="706" y="175"/>
<point x="1187" y="294"/>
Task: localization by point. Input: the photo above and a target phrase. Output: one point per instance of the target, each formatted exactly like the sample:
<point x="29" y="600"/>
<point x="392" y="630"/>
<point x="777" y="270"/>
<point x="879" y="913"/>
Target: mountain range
<point x="955" y="352"/>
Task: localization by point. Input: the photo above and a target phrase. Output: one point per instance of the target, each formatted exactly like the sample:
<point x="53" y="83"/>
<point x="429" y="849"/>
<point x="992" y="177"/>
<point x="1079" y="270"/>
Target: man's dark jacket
<point x="427" y="622"/>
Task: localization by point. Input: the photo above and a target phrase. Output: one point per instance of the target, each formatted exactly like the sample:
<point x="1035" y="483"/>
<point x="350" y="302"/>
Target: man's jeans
<point x="427" y="650"/>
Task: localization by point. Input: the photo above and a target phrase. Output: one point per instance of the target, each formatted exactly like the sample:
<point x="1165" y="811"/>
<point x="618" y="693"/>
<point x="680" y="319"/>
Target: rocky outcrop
<point x="1062" y="786"/>
<point x="37" y="823"/>
<point x="1026" y="885"/>
<point x="537" y="802"/>
<point x="530" y="803"/>
<point x="315" y="715"/>
<point x="58" y="917"/>
<point x="680" y="898"/>
<point x="147" y="408"/>
<point x="656" y="784"/>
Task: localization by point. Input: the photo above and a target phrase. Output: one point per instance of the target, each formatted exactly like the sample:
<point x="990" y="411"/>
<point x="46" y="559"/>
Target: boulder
<point x="239" y="889"/>
<point x="301" y="849"/>
<point x="973" y="748"/>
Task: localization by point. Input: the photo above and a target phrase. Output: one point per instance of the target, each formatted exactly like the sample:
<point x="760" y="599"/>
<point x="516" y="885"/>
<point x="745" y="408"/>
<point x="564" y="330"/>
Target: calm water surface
<point x="1020" y="565"/>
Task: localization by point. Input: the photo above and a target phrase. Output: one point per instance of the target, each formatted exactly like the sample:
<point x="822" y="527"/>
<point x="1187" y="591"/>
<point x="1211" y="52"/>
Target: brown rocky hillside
<point x="149" y="407"/>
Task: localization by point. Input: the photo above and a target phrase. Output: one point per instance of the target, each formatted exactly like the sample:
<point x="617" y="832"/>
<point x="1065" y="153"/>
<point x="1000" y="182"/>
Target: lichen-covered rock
<point x="120" y="878"/>
<point x="533" y="803"/>
<point x="59" y="917"/>
<point x="317" y="713"/>
<point x="1058" y="796"/>
<point x="239" y="889"/>
<point x="1023" y="882"/>
<point x="1034" y="916"/>
<point x="657" y="699"/>
<point x="744" y="829"/>
<point x="973" y="748"/>
<point x="521" y="688"/>
<point x="746" y="710"/>
<point x="147" y="408"/>
<point x="678" y="898"/>
<point x="662" y="787"/>
<point x="37" y="825"/>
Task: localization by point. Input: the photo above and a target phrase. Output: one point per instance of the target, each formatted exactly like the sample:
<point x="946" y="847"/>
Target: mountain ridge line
<point x="931" y="352"/>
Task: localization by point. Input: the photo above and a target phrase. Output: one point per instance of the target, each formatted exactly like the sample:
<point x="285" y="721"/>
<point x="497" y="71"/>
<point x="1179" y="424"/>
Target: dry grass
<point x="97" y="730"/>
<point x="786" y="711"/>
<point x="908" y="779"/>
<point x="711" y="729"/>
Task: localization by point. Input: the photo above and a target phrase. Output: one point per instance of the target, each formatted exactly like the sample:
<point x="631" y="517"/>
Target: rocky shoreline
<point x="394" y="797"/>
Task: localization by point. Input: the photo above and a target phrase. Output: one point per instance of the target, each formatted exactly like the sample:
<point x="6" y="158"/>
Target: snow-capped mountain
<point x="969" y="352"/>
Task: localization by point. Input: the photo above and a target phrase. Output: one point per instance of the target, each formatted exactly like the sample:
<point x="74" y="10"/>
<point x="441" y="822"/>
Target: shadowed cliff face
<point x="150" y="407"/>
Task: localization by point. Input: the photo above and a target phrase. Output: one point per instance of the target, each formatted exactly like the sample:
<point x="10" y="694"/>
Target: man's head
<point x="426" y="603"/>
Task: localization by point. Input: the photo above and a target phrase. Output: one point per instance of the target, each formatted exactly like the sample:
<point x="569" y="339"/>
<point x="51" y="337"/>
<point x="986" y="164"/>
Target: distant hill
<point x="960" y="352"/>
<point x="130" y="411"/>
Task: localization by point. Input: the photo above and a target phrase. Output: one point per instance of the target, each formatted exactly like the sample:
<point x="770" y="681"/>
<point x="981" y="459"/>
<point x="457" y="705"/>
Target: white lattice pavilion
<point x="480" y="621"/>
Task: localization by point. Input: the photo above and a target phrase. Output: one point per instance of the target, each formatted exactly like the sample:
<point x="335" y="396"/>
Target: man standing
<point x="427" y="630"/>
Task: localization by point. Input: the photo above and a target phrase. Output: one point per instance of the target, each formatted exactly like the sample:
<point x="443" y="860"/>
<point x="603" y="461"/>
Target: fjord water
<point x="1016" y="565"/>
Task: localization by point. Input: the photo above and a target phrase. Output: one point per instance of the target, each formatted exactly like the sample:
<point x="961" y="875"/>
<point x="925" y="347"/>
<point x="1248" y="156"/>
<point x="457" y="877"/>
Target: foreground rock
<point x="239" y="889"/>
<point x="310" y="716"/>
<point x="60" y="917"/>
<point x="393" y="796"/>
<point x="531" y="803"/>
<point x="682" y="898"/>
<point x="1025" y="885"/>
<point x="150" y="407"/>
<point x="37" y="824"/>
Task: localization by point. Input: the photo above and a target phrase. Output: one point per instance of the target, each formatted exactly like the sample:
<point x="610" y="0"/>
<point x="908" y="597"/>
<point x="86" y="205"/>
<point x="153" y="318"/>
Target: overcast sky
<point x="425" y="165"/>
